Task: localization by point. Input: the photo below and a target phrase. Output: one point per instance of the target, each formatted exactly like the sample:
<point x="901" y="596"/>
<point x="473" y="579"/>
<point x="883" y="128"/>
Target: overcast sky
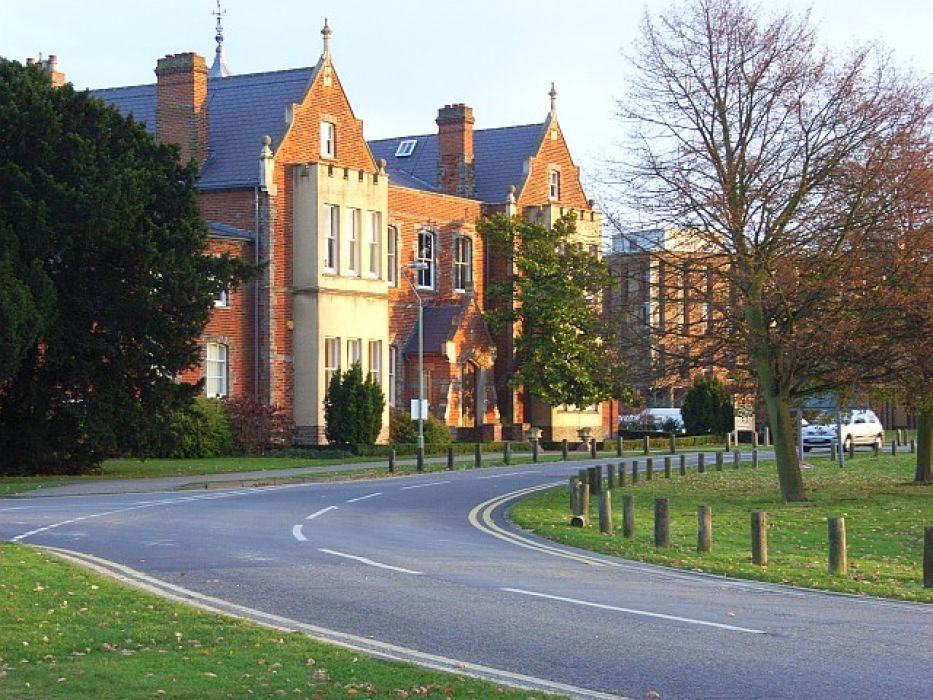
<point x="400" y="60"/>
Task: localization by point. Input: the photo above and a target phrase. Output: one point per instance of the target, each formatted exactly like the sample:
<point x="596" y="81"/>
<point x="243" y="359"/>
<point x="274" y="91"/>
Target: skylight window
<point x="405" y="148"/>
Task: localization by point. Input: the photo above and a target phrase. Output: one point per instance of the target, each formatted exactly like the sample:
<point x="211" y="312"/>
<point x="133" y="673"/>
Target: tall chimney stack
<point x="50" y="66"/>
<point x="181" y="104"/>
<point x="455" y="150"/>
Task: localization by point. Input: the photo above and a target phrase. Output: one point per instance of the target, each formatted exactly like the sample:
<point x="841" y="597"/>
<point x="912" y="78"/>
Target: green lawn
<point x="68" y="633"/>
<point x="885" y="515"/>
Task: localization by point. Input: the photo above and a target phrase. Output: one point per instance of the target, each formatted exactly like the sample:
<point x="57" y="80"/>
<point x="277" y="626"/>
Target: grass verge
<point x="885" y="515"/>
<point x="69" y="633"/>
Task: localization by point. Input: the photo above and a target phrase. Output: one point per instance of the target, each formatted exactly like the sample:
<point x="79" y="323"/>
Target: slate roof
<point x="498" y="156"/>
<point x="440" y="324"/>
<point x="241" y="109"/>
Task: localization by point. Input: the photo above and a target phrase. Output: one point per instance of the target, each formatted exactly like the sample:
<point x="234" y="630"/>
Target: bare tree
<point x="763" y="155"/>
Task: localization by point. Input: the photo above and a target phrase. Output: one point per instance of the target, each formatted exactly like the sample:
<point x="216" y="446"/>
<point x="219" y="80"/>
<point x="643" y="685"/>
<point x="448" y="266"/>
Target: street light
<point x="419" y="266"/>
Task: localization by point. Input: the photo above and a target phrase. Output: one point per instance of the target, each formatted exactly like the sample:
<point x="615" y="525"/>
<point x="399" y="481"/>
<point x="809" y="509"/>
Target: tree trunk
<point x="783" y="430"/>
<point x="924" y="474"/>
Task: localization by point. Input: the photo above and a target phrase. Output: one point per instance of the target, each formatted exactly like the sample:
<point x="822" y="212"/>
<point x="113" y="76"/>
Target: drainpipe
<point x="256" y="293"/>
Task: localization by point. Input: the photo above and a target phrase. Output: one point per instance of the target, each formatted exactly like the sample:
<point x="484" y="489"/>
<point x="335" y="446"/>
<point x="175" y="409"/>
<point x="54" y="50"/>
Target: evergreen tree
<point x="353" y="408"/>
<point x="707" y="407"/>
<point x="105" y="283"/>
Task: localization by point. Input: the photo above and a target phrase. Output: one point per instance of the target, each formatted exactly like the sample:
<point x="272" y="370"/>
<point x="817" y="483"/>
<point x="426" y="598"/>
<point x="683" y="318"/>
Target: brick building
<point x="289" y="182"/>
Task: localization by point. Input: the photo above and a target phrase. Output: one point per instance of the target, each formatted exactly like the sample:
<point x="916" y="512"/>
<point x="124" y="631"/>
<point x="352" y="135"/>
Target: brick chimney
<point x="50" y="66"/>
<point x="455" y="149"/>
<point x="181" y="104"/>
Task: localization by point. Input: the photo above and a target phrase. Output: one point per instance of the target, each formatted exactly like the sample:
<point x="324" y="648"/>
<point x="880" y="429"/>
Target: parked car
<point x="859" y="427"/>
<point x="654" y="419"/>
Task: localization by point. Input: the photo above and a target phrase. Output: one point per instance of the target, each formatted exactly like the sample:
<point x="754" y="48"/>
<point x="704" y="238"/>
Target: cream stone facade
<point x="346" y="303"/>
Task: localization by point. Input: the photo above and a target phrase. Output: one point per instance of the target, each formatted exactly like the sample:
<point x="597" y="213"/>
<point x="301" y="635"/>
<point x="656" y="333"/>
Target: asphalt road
<point x="428" y="568"/>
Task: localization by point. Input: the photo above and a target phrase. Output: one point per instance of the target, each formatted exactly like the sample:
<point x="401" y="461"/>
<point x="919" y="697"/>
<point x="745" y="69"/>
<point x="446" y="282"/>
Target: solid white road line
<point x="148" y="504"/>
<point x="384" y="650"/>
<point x="631" y="611"/>
<point x="363" y="498"/>
<point x="320" y="512"/>
<point x="500" y="476"/>
<point x="369" y="562"/>
<point x="422" y="486"/>
<point x="298" y="534"/>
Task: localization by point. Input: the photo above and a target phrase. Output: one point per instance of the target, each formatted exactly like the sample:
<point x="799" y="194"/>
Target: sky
<point x="401" y="60"/>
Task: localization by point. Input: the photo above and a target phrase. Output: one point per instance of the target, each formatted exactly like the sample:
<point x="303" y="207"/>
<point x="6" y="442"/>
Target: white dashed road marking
<point x="369" y="562"/>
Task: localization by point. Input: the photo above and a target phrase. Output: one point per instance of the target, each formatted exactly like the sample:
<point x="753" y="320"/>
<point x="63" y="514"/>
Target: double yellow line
<point x="481" y="517"/>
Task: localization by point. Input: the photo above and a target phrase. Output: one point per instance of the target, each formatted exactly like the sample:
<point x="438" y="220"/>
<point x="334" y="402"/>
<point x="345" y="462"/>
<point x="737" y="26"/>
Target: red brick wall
<point x="232" y="326"/>
<point x="553" y="152"/>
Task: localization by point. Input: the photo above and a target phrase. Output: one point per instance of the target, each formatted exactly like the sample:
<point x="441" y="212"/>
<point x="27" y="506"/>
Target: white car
<point x="859" y="427"/>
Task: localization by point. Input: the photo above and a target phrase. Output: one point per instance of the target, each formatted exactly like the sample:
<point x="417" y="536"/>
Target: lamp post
<point x="418" y="266"/>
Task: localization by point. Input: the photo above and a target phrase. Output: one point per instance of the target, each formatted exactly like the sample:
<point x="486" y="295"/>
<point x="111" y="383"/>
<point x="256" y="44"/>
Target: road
<point x="428" y="568"/>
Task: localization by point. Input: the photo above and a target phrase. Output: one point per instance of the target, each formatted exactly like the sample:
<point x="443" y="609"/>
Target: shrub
<point x="403" y="429"/>
<point x="257" y="427"/>
<point x="707" y="408"/>
<point x="353" y="408"/>
<point x="200" y="430"/>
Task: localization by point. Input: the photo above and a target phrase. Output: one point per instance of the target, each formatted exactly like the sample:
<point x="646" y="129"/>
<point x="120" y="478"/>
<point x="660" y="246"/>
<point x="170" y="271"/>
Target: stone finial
<point x="267" y="167"/>
<point x="381" y="165"/>
<point x="511" y="199"/>
<point x="553" y="95"/>
<point x="326" y="32"/>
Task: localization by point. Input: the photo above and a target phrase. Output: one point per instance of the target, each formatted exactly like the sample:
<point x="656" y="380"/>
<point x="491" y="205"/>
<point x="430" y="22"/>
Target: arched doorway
<point x="469" y="382"/>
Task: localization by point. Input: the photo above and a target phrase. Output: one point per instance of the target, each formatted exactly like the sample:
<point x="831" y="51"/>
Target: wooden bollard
<point x="618" y="445"/>
<point x="649" y="469"/>
<point x="668" y="464"/>
<point x="767" y="436"/>
<point x="605" y="513"/>
<point x="584" y="475"/>
<point x="450" y="458"/>
<point x="419" y="458"/>
<point x="534" y="449"/>
<point x="913" y="446"/>
<point x="893" y="447"/>
<point x="596" y="485"/>
<point x="875" y="448"/>
<point x="563" y="449"/>
<point x="728" y="441"/>
<point x="683" y="465"/>
<point x="832" y="452"/>
<point x="478" y="456"/>
<point x="754" y="459"/>
<point x="837" y="546"/>
<point x="851" y="448"/>
<point x="623" y="474"/>
<point x="759" y="537"/>
<point x="673" y="444"/>
<point x="736" y="459"/>
<point x="662" y="525"/>
<point x="628" y="516"/>
<point x="582" y="506"/>
<point x="610" y="477"/>
<point x="755" y="440"/>
<point x="573" y="481"/>
<point x="507" y="452"/>
<point x="593" y="448"/>
<point x="634" y="472"/>
<point x="704" y="529"/>
<point x="719" y="461"/>
<point x="928" y="557"/>
<point x="646" y="444"/>
<point x="391" y="461"/>
<point x="701" y="462"/>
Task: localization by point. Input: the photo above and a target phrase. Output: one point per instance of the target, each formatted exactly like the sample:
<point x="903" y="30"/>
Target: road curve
<point x="428" y="568"/>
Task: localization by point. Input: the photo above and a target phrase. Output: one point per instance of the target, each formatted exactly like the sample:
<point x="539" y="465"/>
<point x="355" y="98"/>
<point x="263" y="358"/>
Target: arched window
<point x="426" y="254"/>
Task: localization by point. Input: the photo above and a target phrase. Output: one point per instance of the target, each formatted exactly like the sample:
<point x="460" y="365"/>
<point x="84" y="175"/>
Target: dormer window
<point x="406" y="148"/>
<point x="553" y="191"/>
<point x="328" y="140"/>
